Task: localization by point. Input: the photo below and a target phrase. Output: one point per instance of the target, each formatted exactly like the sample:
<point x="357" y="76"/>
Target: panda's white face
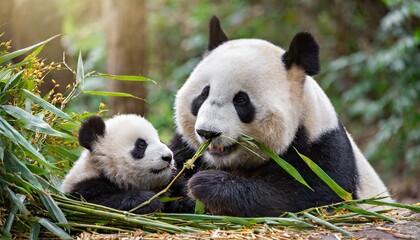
<point x="131" y="155"/>
<point x="241" y="87"/>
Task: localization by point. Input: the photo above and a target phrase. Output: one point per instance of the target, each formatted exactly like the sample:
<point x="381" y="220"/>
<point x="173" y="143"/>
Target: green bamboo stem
<point x="327" y="224"/>
<point x="138" y="220"/>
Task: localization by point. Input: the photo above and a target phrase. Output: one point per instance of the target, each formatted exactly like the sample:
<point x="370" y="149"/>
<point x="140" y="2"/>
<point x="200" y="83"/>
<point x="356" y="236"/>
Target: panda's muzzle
<point x="165" y="158"/>
<point x="214" y="148"/>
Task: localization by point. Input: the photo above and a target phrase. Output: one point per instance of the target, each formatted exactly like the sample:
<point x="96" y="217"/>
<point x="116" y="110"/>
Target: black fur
<point x="199" y="100"/>
<point x="216" y="34"/>
<point x="244" y="107"/>
<point x="268" y="190"/>
<point x="103" y="192"/>
<point x="304" y="53"/>
<point x="92" y="128"/>
<point x="183" y="205"/>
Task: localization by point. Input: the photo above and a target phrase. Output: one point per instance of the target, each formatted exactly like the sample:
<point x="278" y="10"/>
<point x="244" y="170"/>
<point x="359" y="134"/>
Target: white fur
<point x="370" y="185"/>
<point x="111" y="156"/>
<point x="284" y="99"/>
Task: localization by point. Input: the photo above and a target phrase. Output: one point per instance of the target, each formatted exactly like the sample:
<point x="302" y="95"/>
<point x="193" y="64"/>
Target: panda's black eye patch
<point x="139" y="148"/>
<point x="244" y="107"/>
<point x="199" y="100"/>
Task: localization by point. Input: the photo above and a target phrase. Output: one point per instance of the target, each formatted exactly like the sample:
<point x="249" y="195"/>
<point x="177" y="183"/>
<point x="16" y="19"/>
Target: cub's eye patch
<point x="199" y="100"/>
<point x="139" y="150"/>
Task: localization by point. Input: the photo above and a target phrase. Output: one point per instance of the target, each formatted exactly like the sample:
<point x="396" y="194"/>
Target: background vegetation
<point x="370" y="69"/>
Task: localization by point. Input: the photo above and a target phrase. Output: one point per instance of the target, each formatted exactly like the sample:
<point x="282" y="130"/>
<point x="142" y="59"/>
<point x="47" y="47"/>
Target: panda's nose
<point x="208" y="134"/>
<point x="167" y="158"/>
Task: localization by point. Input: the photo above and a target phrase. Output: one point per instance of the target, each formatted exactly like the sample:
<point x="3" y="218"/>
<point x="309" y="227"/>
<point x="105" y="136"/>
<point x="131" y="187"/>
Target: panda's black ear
<point x="304" y="53"/>
<point x="92" y="128"/>
<point x="216" y="34"/>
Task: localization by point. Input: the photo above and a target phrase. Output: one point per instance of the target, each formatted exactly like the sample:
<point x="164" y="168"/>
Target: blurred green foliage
<point x="369" y="53"/>
<point x="383" y="101"/>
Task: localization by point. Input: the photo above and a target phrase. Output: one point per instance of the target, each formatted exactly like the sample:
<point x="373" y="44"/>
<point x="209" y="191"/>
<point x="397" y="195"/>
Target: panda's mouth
<point x="221" y="150"/>
<point x="157" y="171"/>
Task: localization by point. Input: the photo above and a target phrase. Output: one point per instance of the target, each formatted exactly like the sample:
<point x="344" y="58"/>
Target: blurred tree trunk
<point x="30" y="22"/>
<point x="126" y="52"/>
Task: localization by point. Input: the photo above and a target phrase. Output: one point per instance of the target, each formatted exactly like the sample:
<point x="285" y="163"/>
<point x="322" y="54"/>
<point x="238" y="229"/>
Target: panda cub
<point x="124" y="163"/>
<point x="252" y="87"/>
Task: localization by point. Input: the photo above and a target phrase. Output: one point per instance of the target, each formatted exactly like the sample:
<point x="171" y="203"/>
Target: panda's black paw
<point x="183" y="205"/>
<point x="207" y="185"/>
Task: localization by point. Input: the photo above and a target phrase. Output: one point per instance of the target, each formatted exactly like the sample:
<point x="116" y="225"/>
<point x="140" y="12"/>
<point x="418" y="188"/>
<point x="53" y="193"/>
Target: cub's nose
<point x="167" y="158"/>
<point x="208" y="134"/>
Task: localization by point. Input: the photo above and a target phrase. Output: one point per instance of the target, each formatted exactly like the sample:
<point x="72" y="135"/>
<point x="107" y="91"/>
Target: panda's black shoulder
<point x="95" y="187"/>
<point x="332" y="151"/>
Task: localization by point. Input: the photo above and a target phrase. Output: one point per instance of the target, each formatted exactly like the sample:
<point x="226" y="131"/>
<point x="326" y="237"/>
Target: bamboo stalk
<point x="137" y="220"/>
<point x="327" y="224"/>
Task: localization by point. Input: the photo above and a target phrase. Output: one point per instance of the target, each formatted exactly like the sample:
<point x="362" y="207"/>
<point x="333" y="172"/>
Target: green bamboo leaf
<point x="64" y="152"/>
<point x="126" y="77"/>
<point x="35" y="229"/>
<point x="13" y="179"/>
<point x="9" y="221"/>
<point x="199" y="207"/>
<point x="5" y="74"/>
<point x="53" y="208"/>
<point x="54" y="229"/>
<point x="19" y="52"/>
<point x="282" y="163"/>
<point x="17" y="200"/>
<point x="39" y="171"/>
<point x="31" y="122"/>
<point x="111" y="94"/>
<point x="15" y="78"/>
<point x="413" y="207"/>
<point x="14" y="165"/>
<point x="37" y="50"/>
<point x="169" y="199"/>
<point x="46" y="105"/>
<point x="369" y="213"/>
<point x="11" y="218"/>
<point x="324" y="177"/>
<point x="7" y="130"/>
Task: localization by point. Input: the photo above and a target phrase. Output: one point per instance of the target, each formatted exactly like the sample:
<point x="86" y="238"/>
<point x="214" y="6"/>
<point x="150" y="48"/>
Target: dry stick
<point x="188" y="165"/>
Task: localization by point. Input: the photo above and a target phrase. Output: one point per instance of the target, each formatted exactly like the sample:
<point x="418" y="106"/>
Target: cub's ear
<point x="90" y="131"/>
<point x="304" y="53"/>
<point x="216" y="34"/>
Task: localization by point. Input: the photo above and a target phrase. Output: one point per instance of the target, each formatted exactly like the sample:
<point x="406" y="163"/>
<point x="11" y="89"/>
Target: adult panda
<point x="124" y="165"/>
<point x="252" y="87"/>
